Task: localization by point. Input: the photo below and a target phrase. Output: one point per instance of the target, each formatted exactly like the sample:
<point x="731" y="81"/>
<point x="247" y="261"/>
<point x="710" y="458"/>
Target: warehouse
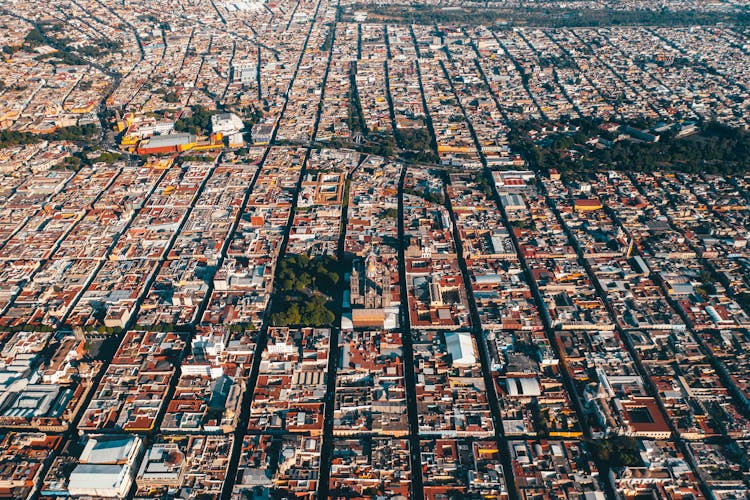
<point x="172" y="143"/>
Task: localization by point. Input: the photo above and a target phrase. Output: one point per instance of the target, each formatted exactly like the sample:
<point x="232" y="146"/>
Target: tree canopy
<point x="304" y="286"/>
<point x="714" y="148"/>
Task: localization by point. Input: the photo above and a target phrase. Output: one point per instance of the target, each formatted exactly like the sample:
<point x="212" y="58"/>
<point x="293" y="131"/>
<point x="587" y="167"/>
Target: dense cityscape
<point x="375" y="249"/>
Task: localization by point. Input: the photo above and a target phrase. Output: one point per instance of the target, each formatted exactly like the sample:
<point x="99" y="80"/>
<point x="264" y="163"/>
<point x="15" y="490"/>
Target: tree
<point x="34" y="38"/>
<point x="171" y="97"/>
<point x="303" y="287"/>
<point x="197" y="123"/>
<point x="72" y="162"/>
<point x="288" y="317"/>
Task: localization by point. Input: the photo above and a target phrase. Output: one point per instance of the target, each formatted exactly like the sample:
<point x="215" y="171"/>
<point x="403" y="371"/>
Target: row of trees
<point x="10" y="138"/>
<point x="547" y="15"/>
<point x="85" y="157"/>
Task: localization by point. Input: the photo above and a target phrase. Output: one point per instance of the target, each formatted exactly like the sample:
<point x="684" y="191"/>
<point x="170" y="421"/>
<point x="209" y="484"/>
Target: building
<point x="244" y="73"/>
<point x="587" y="204"/>
<point x="461" y="348"/>
<point x="105" y="467"/>
<point x="172" y="143"/>
<point x="226" y="123"/>
<point x="262" y="133"/>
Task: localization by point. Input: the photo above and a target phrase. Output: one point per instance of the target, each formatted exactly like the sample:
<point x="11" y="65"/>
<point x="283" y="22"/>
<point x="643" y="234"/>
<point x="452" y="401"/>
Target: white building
<point x="100" y="480"/>
<point x="226" y="123"/>
<point x="460" y="346"/>
<point x="245" y="73"/>
<point x="105" y="468"/>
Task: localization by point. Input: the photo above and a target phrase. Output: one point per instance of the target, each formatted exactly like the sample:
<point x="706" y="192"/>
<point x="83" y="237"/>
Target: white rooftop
<point x="461" y="348"/>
